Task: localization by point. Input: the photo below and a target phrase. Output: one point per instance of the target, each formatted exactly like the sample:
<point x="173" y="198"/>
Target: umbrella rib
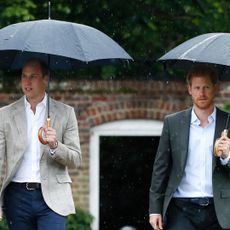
<point x="198" y="44"/>
<point x="40" y="38"/>
<point x="22" y="50"/>
<point x="72" y="26"/>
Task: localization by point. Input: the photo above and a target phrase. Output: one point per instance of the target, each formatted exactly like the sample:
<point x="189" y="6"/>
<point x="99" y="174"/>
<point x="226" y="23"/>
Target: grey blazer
<point x="170" y="164"/>
<point x="55" y="179"/>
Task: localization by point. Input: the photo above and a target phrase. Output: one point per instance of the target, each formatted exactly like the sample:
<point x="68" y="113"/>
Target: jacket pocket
<point x="63" y="179"/>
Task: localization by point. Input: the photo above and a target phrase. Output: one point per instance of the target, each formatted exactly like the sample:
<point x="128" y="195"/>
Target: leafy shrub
<point x="226" y="107"/>
<point x="3" y="225"/>
<point x="79" y="221"/>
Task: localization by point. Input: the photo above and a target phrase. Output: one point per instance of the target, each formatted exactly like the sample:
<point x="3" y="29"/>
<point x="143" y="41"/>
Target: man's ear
<point x="46" y="79"/>
<point x="217" y="87"/>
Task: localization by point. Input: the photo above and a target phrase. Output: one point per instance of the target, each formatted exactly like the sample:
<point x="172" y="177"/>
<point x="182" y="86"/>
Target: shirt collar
<point x="43" y="102"/>
<point x="195" y="119"/>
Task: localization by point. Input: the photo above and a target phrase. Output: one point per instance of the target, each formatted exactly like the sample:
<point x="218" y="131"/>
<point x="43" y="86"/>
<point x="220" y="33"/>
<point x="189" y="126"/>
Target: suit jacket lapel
<point x="221" y="119"/>
<point x="53" y="112"/>
<point x="19" y="117"/>
<point x="184" y="129"/>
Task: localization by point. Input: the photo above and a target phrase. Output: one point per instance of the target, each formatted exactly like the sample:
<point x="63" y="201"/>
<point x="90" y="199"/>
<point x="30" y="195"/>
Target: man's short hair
<point x="203" y="70"/>
<point x="43" y="65"/>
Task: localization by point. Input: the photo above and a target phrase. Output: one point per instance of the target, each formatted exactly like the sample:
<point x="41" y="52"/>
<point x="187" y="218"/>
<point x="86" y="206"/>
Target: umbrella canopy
<point x="212" y="49"/>
<point x="61" y="44"/>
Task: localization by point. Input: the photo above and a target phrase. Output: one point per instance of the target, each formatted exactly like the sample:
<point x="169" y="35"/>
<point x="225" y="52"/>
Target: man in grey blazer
<point x="190" y="187"/>
<point x="36" y="189"/>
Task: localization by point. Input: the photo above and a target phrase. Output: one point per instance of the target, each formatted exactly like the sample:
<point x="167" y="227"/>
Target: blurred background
<point x="146" y="29"/>
<point x="120" y="109"/>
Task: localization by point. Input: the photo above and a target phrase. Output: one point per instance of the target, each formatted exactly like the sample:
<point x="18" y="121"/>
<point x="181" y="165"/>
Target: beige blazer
<point x="55" y="179"/>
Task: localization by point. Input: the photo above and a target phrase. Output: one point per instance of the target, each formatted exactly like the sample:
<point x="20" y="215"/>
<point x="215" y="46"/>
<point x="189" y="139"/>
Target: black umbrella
<point x="211" y="49"/>
<point x="62" y="45"/>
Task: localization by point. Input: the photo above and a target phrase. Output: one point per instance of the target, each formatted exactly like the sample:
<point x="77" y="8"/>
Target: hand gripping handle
<point x="41" y="132"/>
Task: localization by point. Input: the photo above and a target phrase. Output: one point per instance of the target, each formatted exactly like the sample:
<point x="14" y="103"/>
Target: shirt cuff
<point x="225" y="161"/>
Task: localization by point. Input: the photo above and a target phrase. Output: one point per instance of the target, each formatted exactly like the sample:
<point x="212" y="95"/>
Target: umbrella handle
<point x="41" y="132"/>
<point x="218" y="152"/>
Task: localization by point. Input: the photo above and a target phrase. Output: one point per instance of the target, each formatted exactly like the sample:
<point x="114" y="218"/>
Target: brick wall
<point x="98" y="102"/>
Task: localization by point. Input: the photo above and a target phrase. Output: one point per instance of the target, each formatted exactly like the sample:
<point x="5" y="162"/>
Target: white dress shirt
<point x="29" y="170"/>
<point x="197" y="178"/>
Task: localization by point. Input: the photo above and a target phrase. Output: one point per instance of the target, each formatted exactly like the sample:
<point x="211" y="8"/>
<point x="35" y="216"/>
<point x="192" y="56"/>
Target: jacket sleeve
<point x="160" y="174"/>
<point x="2" y="151"/>
<point x="68" y="152"/>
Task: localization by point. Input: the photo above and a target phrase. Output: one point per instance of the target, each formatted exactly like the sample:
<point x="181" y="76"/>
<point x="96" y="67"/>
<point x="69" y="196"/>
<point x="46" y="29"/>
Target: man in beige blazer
<point x="36" y="189"/>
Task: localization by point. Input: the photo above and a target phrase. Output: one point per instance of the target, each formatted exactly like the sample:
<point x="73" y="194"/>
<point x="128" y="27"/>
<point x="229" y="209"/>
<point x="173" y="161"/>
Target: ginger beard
<point x="202" y="92"/>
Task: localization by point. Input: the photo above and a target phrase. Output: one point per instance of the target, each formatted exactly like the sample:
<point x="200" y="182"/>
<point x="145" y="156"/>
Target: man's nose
<point x="202" y="91"/>
<point x="27" y="80"/>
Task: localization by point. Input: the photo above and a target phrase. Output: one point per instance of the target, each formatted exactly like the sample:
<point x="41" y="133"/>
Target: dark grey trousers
<point x="189" y="216"/>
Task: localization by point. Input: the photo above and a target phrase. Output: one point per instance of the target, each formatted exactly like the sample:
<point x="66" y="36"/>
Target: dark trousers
<point x="26" y="210"/>
<point x="190" y="216"/>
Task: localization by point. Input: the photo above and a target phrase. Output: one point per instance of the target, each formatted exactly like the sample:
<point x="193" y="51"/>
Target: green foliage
<point x="79" y="221"/>
<point x="146" y="29"/>
<point x="3" y="225"/>
<point x="226" y="107"/>
<point x="108" y="72"/>
<point x="12" y="11"/>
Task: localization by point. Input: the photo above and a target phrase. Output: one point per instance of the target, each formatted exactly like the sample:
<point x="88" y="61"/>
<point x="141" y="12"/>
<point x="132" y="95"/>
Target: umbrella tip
<point x="49" y="7"/>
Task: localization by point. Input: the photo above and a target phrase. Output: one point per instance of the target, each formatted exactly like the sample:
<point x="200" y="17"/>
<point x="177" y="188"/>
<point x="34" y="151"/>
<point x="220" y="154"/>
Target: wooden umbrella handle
<point x="41" y="132"/>
<point x="217" y="151"/>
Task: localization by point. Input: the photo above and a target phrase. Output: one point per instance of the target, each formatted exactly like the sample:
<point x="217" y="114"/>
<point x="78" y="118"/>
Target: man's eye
<point x="34" y="77"/>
